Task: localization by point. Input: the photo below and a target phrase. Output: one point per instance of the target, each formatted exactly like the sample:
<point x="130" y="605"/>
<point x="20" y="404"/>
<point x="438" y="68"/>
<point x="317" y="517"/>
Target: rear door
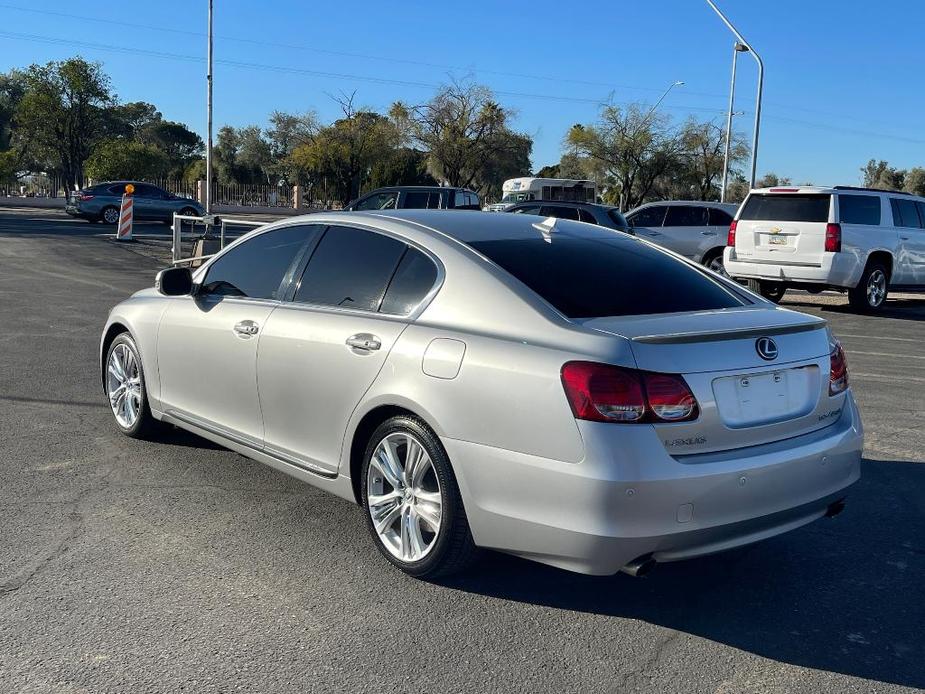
<point x="321" y="351"/>
<point x="910" y="265"/>
<point x="684" y="229"/>
<point x="647" y="222"/>
<point x="784" y="228"/>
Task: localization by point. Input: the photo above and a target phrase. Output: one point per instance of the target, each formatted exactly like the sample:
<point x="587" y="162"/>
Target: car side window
<point x="416" y="200"/>
<point x="378" y="201"/>
<point x="585" y="216"/>
<point x="413" y="279"/>
<point x="460" y="199"/>
<point x="143" y="190"/>
<point x="859" y="209"/>
<point x="559" y="212"/>
<point x="255" y="268"/>
<point x="118" y="189"/>
<point x="686" y="216"/>
<point x="719" y="218"/>
<point x="649" y="216"/>
<point x="529" y="209"/>
<point x="921" y="206"/>
<point x="905" y="213"/>
<point x="350" y="268"/>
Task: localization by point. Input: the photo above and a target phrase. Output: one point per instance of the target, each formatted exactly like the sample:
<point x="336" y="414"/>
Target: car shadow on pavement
<point x="842" y="595"/>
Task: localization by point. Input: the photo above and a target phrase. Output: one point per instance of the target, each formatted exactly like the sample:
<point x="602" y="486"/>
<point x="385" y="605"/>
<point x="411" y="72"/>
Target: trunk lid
<point x="745" y="399"/>
<point x="783" y="228"/>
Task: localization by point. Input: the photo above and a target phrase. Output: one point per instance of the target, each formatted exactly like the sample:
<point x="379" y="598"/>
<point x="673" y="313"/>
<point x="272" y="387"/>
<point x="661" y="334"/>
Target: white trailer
<point x="517" y="190"/>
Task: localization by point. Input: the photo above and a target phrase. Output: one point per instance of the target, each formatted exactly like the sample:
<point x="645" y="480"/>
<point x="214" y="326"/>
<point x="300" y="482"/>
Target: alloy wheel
<point x="876" y="288"/>
<point x="716" y="265"/>
<point x="110" y="215"/>
<point x="403" y="497"/>
<point x="123" y="385"/>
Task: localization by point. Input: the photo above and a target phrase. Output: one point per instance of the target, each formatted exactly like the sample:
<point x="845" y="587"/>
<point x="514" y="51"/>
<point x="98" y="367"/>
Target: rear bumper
<point x="834" y="269"/>
<point x="629" y="498"/>
<point x="75" y="211"/>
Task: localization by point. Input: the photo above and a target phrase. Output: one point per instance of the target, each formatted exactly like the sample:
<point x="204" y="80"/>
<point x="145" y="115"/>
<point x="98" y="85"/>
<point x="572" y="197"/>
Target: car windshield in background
<point x="593" y="278"/>
<point x="787" y="207"/>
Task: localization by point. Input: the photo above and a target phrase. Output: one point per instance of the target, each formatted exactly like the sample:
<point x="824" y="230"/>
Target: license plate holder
<point x="767" y="397"/>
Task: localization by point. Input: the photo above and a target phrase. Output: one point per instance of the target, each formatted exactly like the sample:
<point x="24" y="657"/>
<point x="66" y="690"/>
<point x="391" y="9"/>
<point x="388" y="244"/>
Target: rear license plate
<point x="764" y="398"/>
<point x="777" y="240"/>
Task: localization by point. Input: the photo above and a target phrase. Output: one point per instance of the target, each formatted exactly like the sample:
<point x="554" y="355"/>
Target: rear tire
<point x="772" y="291"/>
<point x="110" y="215"/>
<point x="714" y="261"/>
<point x="422" y="494"/>
<point x="870" y="294"/>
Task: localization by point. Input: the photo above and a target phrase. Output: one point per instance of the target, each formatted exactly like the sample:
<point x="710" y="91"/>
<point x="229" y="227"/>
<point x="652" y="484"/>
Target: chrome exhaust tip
<point x="640" y="566"/>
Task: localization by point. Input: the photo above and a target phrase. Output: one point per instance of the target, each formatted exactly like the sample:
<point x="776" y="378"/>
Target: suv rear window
<point x="789" y="207"/>
<point x="592" y="278"/>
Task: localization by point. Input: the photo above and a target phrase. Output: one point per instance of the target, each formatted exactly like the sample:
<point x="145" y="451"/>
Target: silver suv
<point x="858" y="240"/>
<point x="696" y="230"/>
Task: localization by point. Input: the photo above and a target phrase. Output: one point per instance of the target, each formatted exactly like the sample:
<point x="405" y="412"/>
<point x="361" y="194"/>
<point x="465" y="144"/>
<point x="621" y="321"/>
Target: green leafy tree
<point x="879" y="174"/>
<point x="771" y="179"/>
<point x="915" y="181"/>
<point x="704" y="144"/>
<point x="62" y="114"/>
<point x="123" y="159"/>
<point x="403" y="166"/>
<point x="466" y="136"/>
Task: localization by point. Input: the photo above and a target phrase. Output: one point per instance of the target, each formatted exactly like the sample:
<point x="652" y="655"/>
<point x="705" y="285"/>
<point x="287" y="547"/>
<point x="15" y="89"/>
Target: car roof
<point x="829" y="190"/>
<point x="688" y="203"/>
<point x="391" y="188"/>
<point x="564" y="203"/>
<point x="467" y="226"/>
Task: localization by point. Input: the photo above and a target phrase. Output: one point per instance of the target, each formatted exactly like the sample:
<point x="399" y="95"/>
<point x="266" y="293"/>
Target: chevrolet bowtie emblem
<point x="776" y="230"/>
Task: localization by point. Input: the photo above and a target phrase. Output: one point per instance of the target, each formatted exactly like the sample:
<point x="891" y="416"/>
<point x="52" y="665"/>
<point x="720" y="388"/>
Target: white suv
<point x="858" y="240"/>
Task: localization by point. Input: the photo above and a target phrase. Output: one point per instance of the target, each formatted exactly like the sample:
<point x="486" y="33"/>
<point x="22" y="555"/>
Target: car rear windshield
<point x="592" y="278"/>
<point x="787" y="207"/>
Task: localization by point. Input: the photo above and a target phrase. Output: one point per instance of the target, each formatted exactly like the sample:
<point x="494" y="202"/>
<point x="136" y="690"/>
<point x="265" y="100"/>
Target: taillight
<point x="731" y="237"/>
<point x="833" y="238"/>
<point x="606" y="393"/>
<point x="83" y="197"/>
<point x="838" y="369"/>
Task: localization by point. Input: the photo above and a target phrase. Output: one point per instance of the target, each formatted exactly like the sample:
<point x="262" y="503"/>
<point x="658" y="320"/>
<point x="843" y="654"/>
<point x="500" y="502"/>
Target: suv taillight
<point x="833" y="238"/>
<point x="731" y="237"/>
<point x="838" y="369"/>
<point x="83" y="197"/>
<point x="606" y="393"/>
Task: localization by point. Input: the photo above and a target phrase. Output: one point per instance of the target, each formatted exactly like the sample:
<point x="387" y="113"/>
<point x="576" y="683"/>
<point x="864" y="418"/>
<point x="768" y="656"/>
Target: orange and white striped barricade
<point x="126" y="214"/>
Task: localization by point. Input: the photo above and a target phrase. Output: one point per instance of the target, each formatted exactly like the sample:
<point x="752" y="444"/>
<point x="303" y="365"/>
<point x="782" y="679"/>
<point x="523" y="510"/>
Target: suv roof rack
<point x="872" y="190"/>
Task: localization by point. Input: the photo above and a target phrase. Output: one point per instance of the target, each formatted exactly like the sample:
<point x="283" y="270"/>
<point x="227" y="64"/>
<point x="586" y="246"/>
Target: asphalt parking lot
<point x="128" y="566"/>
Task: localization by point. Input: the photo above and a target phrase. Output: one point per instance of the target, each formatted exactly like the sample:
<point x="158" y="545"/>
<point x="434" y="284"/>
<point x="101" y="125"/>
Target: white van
<point x="515" y="190"/>
<point x="859" y="240"/>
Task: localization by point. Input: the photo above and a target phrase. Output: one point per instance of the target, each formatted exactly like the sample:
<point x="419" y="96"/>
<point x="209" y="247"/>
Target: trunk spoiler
<point x="726" y="334"/>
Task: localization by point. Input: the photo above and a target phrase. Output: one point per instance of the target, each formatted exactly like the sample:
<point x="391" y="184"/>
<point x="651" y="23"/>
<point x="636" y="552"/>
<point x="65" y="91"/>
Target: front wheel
<point x="772" y="291"/>
<point x="870" y="294"/>
<point x="125" y="385"/>
<point x="414" y="510"/>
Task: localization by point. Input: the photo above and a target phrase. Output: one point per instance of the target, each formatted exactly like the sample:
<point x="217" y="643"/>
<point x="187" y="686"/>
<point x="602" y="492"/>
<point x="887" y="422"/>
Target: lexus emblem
<point x="766" y="348"/>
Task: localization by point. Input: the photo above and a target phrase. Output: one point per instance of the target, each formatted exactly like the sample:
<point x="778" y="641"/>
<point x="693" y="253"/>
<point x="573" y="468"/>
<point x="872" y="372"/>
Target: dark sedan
<point x="100" y="203"/>
<point x="602" y="215"/>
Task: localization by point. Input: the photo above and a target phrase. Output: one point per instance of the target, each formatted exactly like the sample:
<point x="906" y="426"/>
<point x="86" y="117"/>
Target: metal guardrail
<point x="209" y="223"/>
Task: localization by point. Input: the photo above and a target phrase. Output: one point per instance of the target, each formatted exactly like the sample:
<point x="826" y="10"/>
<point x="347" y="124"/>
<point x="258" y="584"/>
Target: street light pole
<point x="662" y="98"/>
<point x="208" y="195"/>
<point x="736" y="49"/>
<point x="751" y="50"/>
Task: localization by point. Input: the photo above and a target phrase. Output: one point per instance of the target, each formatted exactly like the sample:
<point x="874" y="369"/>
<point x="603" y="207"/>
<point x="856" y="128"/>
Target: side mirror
<point x="174" y="281"/>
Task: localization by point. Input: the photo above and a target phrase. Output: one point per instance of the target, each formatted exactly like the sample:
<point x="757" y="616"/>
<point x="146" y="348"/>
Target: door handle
<point x="364" y="342"/>
<point x="904" y="238"/>
<point x="246" y="327"/>
<point x="708" y="233"/>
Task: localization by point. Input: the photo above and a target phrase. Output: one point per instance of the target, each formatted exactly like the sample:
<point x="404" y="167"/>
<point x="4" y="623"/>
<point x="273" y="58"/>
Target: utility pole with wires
<point x="736" y="49"/>
<point x="208" y="191"/>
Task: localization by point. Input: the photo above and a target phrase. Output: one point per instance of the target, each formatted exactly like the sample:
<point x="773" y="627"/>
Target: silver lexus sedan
<point x="546" y="388"/>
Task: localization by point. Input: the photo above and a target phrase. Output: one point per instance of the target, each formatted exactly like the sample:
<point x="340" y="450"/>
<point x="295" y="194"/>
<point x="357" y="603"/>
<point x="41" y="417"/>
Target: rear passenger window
<point x="413" y="279"/>
<point x="350" y="269"/>
<point x="255" y="268"/>
<point x="719" y="218"/>
<point x="649" y="217"/>
<point x="416" y="200"/>
<point x="859" y="209"/>
<point x="559" y="212"/>
<point x="905" y="214"/>
<point x="685" y="216"/>
<point x="585" y="216"/>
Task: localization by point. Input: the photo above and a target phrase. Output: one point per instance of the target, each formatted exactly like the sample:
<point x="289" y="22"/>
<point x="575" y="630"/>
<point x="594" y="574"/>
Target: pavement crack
<point x="630" y="681"/>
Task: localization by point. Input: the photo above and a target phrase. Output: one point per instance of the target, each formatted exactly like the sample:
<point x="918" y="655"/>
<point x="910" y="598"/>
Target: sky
<point x="844" y="80"/>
